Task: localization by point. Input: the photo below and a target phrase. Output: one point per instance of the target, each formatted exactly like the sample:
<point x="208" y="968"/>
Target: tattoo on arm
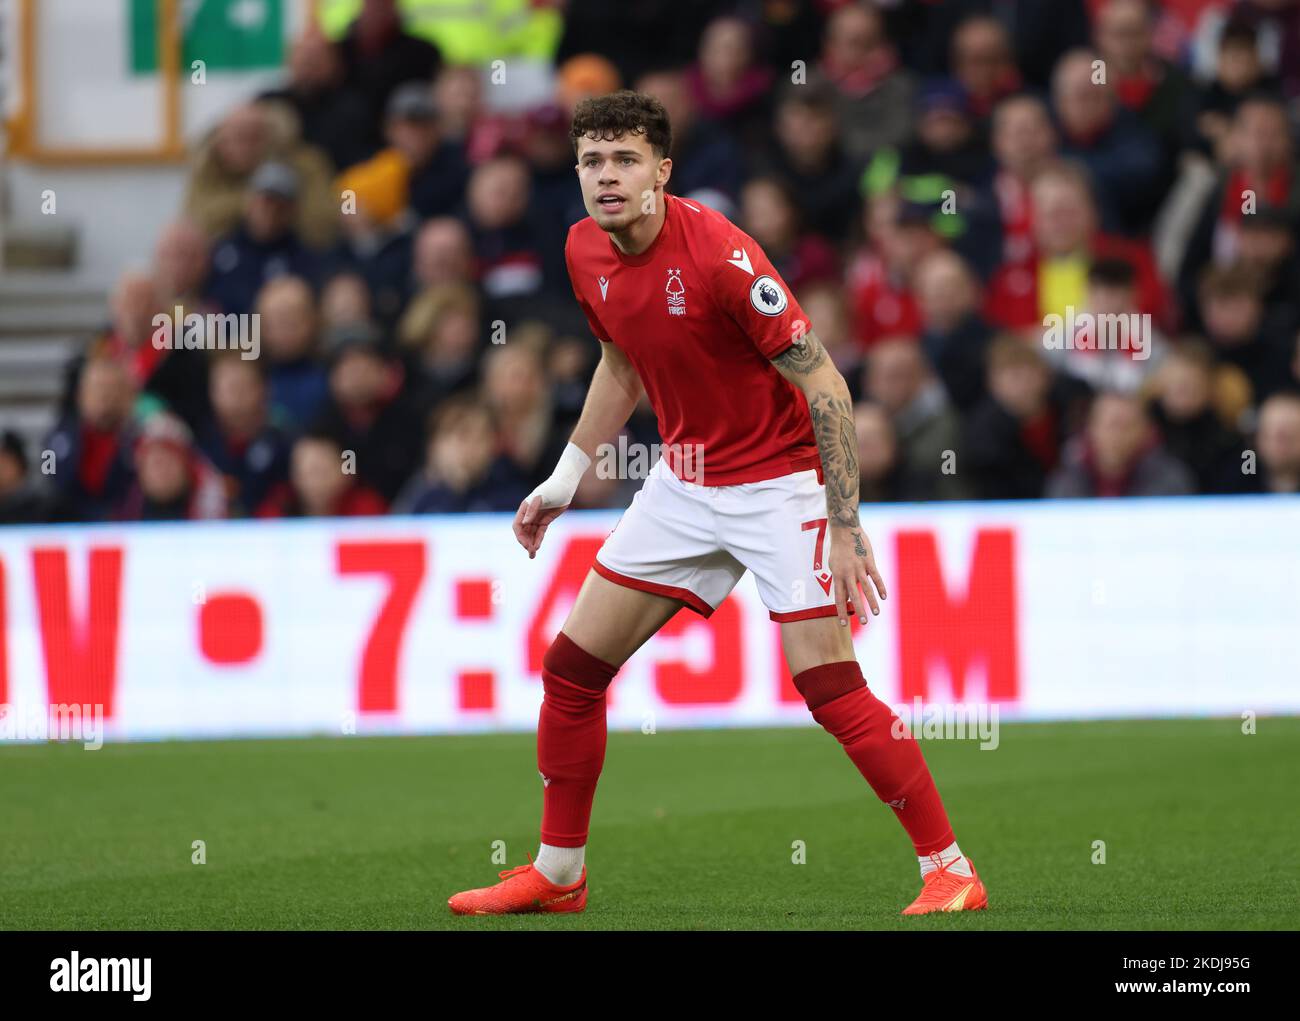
<point x="804" y="356"/>
<point x="832" y="419"/>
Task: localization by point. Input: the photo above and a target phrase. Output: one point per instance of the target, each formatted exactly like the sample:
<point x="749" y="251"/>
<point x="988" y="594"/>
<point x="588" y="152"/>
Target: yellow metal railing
<point x="23" y="132"/>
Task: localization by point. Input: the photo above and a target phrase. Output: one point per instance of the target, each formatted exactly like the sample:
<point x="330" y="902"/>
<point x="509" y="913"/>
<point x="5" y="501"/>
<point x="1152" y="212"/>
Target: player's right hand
<point x="531" y="521"/>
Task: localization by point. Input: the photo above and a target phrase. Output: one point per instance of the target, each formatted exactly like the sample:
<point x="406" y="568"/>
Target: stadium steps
<point x="45" y="319"/>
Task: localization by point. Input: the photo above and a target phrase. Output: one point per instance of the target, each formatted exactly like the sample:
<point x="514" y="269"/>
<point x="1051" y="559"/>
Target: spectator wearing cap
<point x="727" y="83"/>
<point x="981" y="58"/>
<point x="1183" y="407"/>
<point x="770" y="215"/>
<point x="173" y="482"/>
<point x="370" y="412"/>
<point x="240" y="440"/>
<point x="333" y="116"/>
<point x="1067" y="240"/>
<point x="946" y="153"/>
<point x="290" y="340"/>
<point x="438" y="170"/>
<point x="21" y="502"/>
<point x="873" y="91"/>
<point x="246" y="138"/>
<point x="463" y="471"/>
<point x="1119" y="454"/>
<point x="92" y="444"/>
<point x="807" y="155"/>
<point x="1121" y="154"/>
<point x="947" y="165"/>
<point x="704" y="154"/>
<point x="926" y="425"/>
<point x="265" y="245"/>
<point x="321" y="484"/>
<point x="953" y="334"/>
<point x="879" y="280"/>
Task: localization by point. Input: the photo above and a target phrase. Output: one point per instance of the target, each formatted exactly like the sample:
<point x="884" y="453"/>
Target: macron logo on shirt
<point x="604" y="287"/>
<point x="740" y="259"/>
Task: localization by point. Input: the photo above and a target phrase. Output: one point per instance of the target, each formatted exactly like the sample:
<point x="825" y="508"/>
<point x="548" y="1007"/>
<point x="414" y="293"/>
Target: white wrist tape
<point x="558" y="490"/>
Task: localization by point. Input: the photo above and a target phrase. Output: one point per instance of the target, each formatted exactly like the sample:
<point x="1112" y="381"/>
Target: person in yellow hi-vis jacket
<point x="462" y="33"/>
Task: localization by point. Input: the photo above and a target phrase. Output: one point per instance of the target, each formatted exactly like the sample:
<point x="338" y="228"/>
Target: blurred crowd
<point x="933" y="180"/>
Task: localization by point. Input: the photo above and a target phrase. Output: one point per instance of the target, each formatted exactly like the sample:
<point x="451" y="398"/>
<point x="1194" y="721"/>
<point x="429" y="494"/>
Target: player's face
<point x="619" y="179"/>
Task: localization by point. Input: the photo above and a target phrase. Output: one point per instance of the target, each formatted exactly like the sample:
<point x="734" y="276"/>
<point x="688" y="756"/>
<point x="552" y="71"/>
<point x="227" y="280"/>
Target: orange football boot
<point x="947" y="891"/>
<point x="522" y="890"/>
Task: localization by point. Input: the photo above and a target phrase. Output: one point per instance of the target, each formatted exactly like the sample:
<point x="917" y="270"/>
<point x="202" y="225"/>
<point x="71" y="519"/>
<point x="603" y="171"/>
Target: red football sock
<point x="882" y="749"/>
<point x="570" y="739"/>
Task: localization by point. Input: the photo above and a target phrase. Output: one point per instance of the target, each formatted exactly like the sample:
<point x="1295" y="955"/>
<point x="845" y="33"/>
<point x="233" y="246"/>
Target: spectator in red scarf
<point x="982" y="60"/>
<point x="874" y="92"/>
<point x="727" y="85"/>
<point x="1066" y="242"/>
<point x="1121" y="153"/>
<point x="322" y="483"/>
<point x="1013" y="437"/>
<point x="1024" y="142"/>
<point x="1260" y="173"/>
<point x="92" y="464"/>
<point x="371" y="413"/>
<point x="879" y="281"/>
<point x="1154" y="89"/>
<point x="173" y="482"/>
<point x="1119" y="454"/>
<point x="241" y="441"/>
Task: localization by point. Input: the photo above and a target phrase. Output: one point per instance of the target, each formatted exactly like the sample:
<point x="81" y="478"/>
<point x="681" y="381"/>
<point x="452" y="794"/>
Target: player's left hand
<point x="853" y="568"/>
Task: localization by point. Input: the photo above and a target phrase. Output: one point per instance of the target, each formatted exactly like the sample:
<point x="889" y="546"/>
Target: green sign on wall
<point x="227" y="35"/>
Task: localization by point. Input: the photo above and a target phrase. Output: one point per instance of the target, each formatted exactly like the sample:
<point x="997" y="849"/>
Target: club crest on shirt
<point x="676" y="293"/>
<point x="767" y="296"/>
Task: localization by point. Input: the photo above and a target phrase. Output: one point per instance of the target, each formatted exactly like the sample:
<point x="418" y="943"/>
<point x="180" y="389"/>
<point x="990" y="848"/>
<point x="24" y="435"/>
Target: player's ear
<point x="665" y="171"/>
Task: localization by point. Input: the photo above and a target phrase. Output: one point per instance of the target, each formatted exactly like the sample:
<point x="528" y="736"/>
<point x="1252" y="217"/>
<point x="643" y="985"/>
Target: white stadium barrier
<point x="438" y="624"/>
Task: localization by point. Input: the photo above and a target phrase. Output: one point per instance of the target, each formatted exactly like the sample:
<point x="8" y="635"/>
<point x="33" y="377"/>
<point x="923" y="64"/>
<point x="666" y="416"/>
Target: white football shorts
<point x="695" y="543"/>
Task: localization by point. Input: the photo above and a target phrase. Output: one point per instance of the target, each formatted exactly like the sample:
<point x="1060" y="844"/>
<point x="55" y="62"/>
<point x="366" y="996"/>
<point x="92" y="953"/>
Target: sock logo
<point x="546" y="780"/>
<point x="897" y="803"/>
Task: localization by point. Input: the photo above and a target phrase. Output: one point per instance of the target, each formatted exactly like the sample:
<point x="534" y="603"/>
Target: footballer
<point x="687" y="307"/>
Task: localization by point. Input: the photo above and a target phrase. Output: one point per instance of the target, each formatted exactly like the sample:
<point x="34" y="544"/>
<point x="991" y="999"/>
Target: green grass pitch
<point x="692" y="830"/>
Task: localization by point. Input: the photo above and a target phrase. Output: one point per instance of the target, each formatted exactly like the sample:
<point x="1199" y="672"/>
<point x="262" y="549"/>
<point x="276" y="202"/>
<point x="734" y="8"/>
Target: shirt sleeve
<point x="587" y="310"/>
<point x="751" y="292"/>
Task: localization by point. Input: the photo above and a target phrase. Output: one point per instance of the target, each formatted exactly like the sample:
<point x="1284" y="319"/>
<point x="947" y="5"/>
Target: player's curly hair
<point x="625" y="112"/>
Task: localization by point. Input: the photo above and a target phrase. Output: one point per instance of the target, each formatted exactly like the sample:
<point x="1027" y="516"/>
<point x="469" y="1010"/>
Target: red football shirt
<point x="700" y="314"/>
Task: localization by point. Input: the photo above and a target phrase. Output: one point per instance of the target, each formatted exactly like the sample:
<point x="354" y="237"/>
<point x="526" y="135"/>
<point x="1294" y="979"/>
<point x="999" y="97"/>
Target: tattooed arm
<point x="852" y="564"/>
